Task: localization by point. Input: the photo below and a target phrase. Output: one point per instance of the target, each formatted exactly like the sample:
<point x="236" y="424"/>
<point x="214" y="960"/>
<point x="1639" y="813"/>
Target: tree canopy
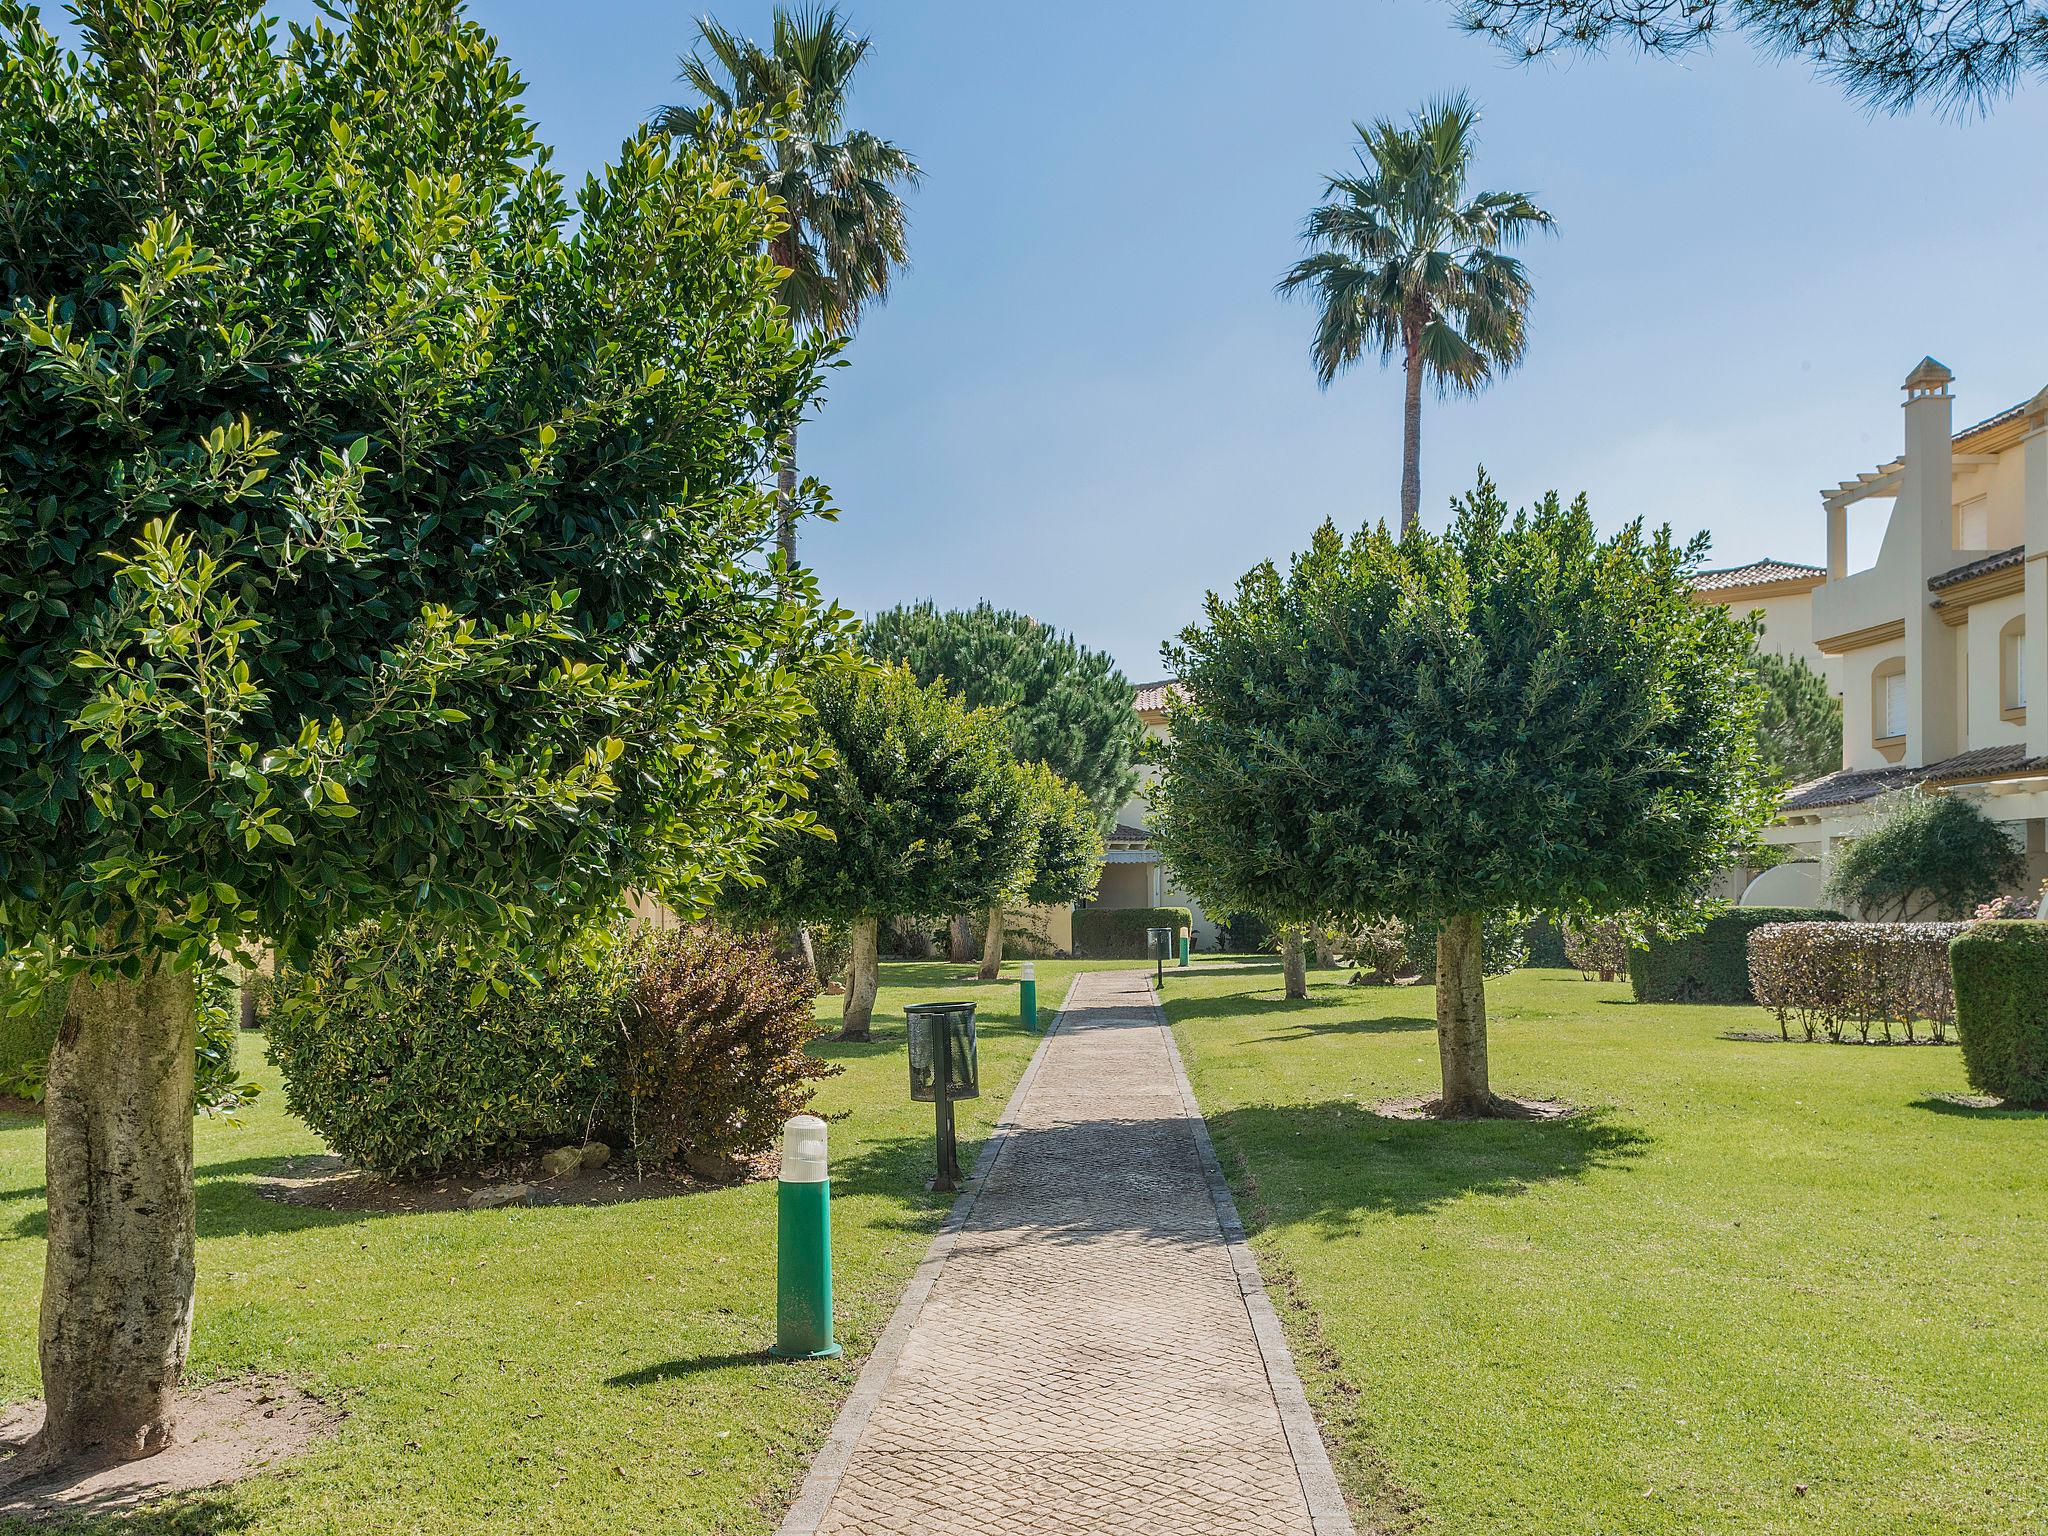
<point x="1061" y="703"/>
<point x="1961" y="55"/>
<point x="1516" y="714"/>
<point x="379" y="534"/>
<point x="1926" y="856"/>
<point x="920" y="809"/>
<point x="1799" y="727"/>
<point x="1066" y="851"/>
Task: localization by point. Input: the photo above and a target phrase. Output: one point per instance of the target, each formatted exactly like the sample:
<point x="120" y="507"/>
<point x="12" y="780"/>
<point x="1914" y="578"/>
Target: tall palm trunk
<point x="992" y="947"/>
<point x="857" y="1013"/>
<point x="1411" y="433"/>
<point x="1294" y="964"/>
<point x="118" y="1270"/>
<point x="1461" y="1018"/>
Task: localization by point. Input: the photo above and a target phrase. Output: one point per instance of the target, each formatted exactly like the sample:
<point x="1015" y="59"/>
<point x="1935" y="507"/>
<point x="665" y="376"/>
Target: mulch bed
<point x="224" y="1433"/>
<point x="1509" y="1109"/>
<point x="330" y="1183"/>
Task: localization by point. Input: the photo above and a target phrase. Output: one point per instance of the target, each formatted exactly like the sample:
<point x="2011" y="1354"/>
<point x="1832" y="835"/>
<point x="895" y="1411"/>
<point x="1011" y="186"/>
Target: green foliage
<point x="217" y="1087"/>
<point x="1600" y="946"/>
<point x="391" y="1056"/>
<point x="1799" y="728"/>
<point x="376" y="522"/>
<point x="1066" y="857"/>
<point x="1546" y="943"/>
<point x="713" y="1045"/>
<point x="1709" y="964"/>
<point x="1119" y="933"/>
<point x="923" y="805"/>
<point x="1518" y="714"/>
<point x="1063" y="704"/>
<point x="1503" y="944"/>
<point x="1927" y="855"/>
<point x="2001" y="986"/>
<point x="1837" y="977"/>
<point x="671" y="1041"/>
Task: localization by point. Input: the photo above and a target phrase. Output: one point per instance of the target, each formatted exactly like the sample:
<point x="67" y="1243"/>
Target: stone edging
<point x="828" y="1468"/>
<point x="1326" y="1508"/>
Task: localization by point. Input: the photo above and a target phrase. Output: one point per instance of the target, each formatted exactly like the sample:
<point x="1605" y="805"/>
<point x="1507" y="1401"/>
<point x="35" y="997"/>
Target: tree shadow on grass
<point x="1333" y="1161"/>
<point x="1323" y="999"/>
<point x="200" y="1514"/>
<point x="226" y="1204"/>
<point x="1975" y="1108"/>
<point x="693" y="1365"/>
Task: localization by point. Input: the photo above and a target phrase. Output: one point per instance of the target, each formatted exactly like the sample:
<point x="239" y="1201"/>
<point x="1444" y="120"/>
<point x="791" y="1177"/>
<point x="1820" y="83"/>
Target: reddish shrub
<point x="1837" y="978"/>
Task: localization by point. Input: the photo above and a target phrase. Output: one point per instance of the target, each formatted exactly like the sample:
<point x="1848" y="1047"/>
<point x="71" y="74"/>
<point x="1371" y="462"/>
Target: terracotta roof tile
<point x="1150" y="697"/>
<point x="2005" y="557"/>
<point x="1124" y="832"/>
<point x="1854" y="786"/>
<point x="1756" y="574"/>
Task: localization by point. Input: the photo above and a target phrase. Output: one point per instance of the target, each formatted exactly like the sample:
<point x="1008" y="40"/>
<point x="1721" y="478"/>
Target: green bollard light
<point x="803" y="1245"/>
<point x="1028" y="999"/>
<point x="1183" y="949"/>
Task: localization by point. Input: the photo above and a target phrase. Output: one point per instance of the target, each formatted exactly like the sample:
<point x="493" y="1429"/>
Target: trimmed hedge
<point x="1834" y="978"/>
<point x="1710" y="965"/>
<point x="1118" y="933"/>
<point x="677" y="1042"/>
<point x="1503" y="944"/>
<point x="2001" y="982"/>
<point x="1545" y="943"/>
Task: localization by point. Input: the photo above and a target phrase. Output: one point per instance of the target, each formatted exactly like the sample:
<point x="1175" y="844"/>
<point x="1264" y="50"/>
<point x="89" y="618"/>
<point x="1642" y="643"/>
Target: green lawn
<point x="1745" y="1268"/>
<point x="547" y="1369"/>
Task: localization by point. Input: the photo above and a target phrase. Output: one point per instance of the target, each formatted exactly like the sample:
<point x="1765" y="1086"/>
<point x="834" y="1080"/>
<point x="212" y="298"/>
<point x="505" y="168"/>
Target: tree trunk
<point x="1411" y="434"/>
<point x="117" y="1274"/>
<point x="992" y="947"/>
<point x="857" y="1013"/>
<point x="1294" y="964"/>
<point x="1461" y="1017"/>
<point x="785" y="501"/>
<point x="960" y="942"/>
<point x="1326" y="950"/>
<point x="809" y="952"/>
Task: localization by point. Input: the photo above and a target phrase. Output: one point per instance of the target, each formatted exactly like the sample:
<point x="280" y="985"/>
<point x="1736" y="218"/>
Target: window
<point x="1973" y="523"/>
<point x="1888" y="706"/>
<point x="2012" y="669"/>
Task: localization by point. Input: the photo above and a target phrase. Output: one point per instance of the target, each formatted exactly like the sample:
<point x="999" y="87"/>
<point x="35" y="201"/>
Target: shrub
<point x="1378" y="949"/>
<point x="1600" y="946"/>
<point x="1711" y="964"/>
<point x="2001" y="985"/>
<point x="1246" y="933"/>
<point x="671" y="1042"/>
<point x="1545" y="942"/>
<point x="1928" y="855"/>
<point x="1835" y="978"/>
<point x="1503" y="944"/>
<point x="714" y="1045"/>
<point x="387" y="1055"/>
<point x="1118" y="933"/>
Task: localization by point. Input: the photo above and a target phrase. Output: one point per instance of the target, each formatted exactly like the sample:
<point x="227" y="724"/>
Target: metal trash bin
<point x="944" y="1066"/>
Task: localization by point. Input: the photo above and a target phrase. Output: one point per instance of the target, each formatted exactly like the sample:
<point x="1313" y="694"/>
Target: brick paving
<point x="1088" y="1349"/>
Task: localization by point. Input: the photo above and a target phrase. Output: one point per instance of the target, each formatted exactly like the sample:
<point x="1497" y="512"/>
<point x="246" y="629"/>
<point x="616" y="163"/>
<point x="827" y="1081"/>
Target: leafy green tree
<point x="1891" y="54"/>
<point x="1799" y="732"/>
<point x="378" y="537"/>
<point x="1402" y="259"/>
<point x="843" y="223"/>
<point x="921" y="809"/>
<point x="1066" y="854"/>
<point x="1927" y="856"/>
<point x="1064" y="705"/>
<point x="1516" y="714"/>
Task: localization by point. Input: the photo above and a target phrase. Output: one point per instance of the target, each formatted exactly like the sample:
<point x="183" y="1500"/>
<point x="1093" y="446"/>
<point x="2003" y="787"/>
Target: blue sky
<point x="1085" y="401"/>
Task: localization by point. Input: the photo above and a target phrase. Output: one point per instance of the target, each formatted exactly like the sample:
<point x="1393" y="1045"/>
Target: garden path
<point x="1088" y="1346"/>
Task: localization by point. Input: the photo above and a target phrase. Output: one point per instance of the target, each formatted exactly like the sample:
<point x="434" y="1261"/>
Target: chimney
<point x="1933" y="686"/>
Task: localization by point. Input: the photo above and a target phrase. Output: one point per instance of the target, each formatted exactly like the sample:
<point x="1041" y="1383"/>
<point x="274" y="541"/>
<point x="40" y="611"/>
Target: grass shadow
<point x="1322" y="996"/>
<point x="694" y="1365"/>
<point x="1330" y="1162"/>
<point x="1979" y="1109"/>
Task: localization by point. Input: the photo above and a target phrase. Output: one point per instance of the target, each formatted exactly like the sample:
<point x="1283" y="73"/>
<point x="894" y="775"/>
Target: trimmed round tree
<point x="920" y="809"/>
<point x="1066" y="854"/>
<point x="1062" y="704"/>
<point x="379" y="538"/>
<point x="1517" y="713"/>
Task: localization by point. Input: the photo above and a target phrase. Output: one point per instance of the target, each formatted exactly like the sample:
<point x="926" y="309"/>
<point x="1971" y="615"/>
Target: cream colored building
<point x="1936" y="647"/>
<point x="1779" y="594"/>
<point x="1133" y="874"/>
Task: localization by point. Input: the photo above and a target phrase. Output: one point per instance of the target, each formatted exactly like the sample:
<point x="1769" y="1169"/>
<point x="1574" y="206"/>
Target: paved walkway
<point x="1087" y="1348"/>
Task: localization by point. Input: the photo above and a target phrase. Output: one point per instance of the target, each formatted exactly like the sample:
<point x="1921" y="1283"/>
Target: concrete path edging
<point x="1326" y="1505"/>
<point x="828" y="1468"/>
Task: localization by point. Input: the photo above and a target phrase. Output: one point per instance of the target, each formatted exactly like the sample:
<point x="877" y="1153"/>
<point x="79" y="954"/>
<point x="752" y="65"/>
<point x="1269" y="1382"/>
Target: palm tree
<point x="1400" y="257"/>
<point x="844" y="235"/>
